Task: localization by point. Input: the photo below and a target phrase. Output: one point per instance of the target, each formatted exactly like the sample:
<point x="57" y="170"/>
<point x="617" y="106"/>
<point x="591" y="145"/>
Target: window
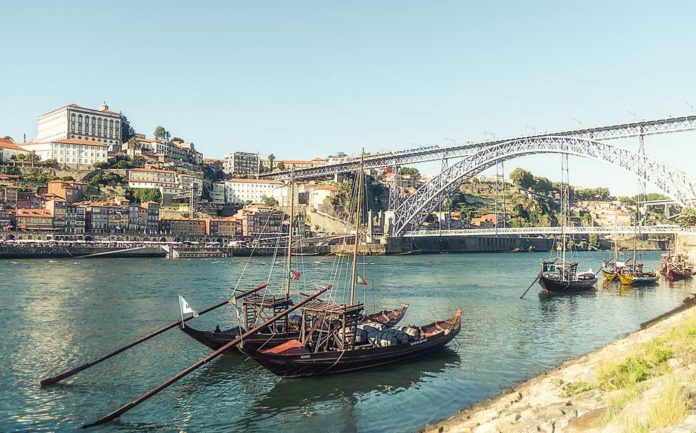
<point x="99" y="127"/>
<point x="94" y="125"/>
<point x="72" y="122"/>
<point x="79" y="123"/>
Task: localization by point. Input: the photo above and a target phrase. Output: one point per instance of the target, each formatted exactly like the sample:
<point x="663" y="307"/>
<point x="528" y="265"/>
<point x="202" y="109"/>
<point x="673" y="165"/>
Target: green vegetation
<point x="161" y="133"/>
<point x="410" y="171"/>
<point x="120" y="161"/>
<point x="269" y="201"/>
<point x="143" y="194"/>
<point x="687" y="218"/>
<point x="105" y="178"/>
<point x="10" y="169"/>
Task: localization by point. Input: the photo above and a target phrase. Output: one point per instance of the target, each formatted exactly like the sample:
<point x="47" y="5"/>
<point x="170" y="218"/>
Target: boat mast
<point x="359" y="178"/>
<point x="292" y="218"/>
<point x="564" y="211"/>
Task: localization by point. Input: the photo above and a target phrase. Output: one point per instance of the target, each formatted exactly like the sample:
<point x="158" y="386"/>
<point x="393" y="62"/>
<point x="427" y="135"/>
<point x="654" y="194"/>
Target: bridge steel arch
<point x="413" y="211"/>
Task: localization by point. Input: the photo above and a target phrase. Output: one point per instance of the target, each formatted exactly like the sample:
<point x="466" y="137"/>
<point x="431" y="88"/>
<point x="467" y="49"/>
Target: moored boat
<point x="326" y="348"/>
<point x="273" y="337"/>
<point x="559" y="277"/>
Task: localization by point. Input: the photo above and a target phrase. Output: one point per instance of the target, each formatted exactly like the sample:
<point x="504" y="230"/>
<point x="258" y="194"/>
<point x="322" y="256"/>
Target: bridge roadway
<point x="438" y="153"/>
<point x="529" y="231"/>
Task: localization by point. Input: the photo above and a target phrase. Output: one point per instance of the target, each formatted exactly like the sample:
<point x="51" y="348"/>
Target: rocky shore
<point x="645" y="382"/>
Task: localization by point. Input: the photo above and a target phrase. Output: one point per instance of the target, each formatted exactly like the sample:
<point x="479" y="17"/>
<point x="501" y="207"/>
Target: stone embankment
<point x="645" y="382"/>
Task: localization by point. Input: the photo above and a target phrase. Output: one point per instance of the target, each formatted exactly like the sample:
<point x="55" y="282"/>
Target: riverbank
<point x="644" y="382"/>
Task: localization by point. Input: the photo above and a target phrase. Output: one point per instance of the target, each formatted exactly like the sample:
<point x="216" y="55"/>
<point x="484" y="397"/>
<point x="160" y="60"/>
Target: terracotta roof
<point x="264" y="181"/>
<point x="8" y="176"/>
<point x="79" y="141"/>
<point x="328" y="188"/>
<point x="152" y="170"/>
<point x="9" y="144"/>
<point x="41" y="213"/>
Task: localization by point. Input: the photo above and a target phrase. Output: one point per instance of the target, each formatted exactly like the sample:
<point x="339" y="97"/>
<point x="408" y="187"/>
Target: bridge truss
<point x="534" y="231"/>
<point x="413" y="211"/>
<point x="439" y="153"/>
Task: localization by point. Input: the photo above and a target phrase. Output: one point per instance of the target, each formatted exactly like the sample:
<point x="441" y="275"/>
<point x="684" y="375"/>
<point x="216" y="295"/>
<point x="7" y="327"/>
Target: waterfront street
<point x="59" y="313"/>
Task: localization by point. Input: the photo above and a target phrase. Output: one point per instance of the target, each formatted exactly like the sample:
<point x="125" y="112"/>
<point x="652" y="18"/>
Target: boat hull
<point x="331" y="362"/>
<point x="216" y="340"/>
<point x="608" y="276"/>
<point x="677" y="275"/>
<point x="557" y="286"/>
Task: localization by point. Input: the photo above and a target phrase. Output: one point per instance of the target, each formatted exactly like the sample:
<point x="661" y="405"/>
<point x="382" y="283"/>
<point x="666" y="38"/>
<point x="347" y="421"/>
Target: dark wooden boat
<point x="677" y="272"/>
<point x="320" y="355"/>
<point x="559" y="277"/>
<point x="273" y="337"/>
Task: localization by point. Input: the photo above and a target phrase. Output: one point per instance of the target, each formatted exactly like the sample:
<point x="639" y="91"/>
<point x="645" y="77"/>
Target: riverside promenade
<point x="644" y="382"/>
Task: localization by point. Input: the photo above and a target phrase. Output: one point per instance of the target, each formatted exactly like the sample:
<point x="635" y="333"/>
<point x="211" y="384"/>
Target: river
<point x="60" y="313"/>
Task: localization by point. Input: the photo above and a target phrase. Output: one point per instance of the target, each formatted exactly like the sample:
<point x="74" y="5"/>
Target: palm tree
<point x="271" y="160"/>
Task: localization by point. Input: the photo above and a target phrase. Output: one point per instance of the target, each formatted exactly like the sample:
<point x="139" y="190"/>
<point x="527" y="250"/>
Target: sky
<point x="301" y="79"/>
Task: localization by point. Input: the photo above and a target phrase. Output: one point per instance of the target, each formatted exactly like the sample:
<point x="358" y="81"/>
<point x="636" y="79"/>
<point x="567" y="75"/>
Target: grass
<point x="669" y="409"/>
<point x="619" y="400"/>
<point x="648" y="361"/>
<point x="573" y="388"/>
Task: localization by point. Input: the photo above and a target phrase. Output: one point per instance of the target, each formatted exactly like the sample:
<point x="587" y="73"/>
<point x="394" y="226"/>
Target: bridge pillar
<point x="370" y="227"/>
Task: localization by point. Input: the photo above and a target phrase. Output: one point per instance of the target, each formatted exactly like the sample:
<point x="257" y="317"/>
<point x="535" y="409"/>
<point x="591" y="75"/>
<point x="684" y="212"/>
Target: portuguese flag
<point x="294" y="275"/>
<point x="362" y="281"/>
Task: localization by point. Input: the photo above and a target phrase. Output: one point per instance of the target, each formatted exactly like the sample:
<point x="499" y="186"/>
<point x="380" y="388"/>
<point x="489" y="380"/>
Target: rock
<point x="587" y="421"/>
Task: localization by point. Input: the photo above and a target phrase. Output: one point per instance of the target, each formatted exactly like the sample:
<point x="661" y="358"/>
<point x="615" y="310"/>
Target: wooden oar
<point x="125" y="408"/>
<point x="74" y="371"/>
<point x="530" y="286"/>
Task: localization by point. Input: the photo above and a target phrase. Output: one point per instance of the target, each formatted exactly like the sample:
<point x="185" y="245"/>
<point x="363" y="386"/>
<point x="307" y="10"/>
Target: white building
<point x="101" y="126"/>
<point x="188" y="181"/>
<point x="241" y="191"/>
<point x="10" y="149"/>
<point x="217" y="193"/>
<point x="72" y="152"/>
<point x="150" y="178"/>
<point x="241" y="164"/>
<point x="318" y="195"/>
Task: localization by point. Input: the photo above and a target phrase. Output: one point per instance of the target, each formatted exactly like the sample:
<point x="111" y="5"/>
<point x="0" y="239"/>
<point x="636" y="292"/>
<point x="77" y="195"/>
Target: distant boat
<point x="562" y="277"/>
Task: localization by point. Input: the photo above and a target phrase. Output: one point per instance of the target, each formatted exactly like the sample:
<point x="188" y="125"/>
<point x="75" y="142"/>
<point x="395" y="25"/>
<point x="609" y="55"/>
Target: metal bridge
<point x="473" y="158"/>
<point x="438" y="153"/>
<point x="534" y="231"/>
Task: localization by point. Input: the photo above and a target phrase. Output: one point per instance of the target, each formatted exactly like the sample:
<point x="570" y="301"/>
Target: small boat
<point x="562" y="277"/>
<point x="677" y="272"/>
<point x="326" y="348"/>
<point x="277" y="335"/>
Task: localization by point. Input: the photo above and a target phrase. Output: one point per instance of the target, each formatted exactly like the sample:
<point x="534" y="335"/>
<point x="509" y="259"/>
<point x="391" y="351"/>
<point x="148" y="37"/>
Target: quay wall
<point x="685" y="244"/>
<point x="58" y="251"/>
<point x="468" y="244"/>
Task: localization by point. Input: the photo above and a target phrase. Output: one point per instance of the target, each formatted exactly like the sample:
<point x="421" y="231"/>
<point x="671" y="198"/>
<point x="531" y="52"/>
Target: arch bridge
<point x="411" y="213"/>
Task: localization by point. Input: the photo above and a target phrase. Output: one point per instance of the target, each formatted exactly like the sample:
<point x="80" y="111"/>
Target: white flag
<point x="186" y="309"/>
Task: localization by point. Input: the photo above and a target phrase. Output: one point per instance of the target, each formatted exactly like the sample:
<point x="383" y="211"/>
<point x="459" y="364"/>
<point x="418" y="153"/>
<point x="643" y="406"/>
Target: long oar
<point x="530" y="286"/>
<point x="74" y="371"/>
<point x="126" y="407"/>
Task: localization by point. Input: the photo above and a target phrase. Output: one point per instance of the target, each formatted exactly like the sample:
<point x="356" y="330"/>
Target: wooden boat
<point x="278" y="335"/>
<point x="609" y="275"/>
<point x="638" y="278"/>
<point x="677" y="272"/>
<point x="559" y="277"/>
<point x="324" y="348"/>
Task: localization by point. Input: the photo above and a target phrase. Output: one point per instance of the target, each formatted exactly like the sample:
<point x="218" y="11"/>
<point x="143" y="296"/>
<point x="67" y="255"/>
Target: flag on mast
<point x="294" y="275"/>
<point x="185" y="309"/>
<point x="362" y="281"/>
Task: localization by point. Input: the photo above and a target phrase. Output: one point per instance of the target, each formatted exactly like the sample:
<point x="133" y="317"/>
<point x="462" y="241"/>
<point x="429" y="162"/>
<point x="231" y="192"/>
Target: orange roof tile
<point x="152" y="170"/>
<point x="79" y="141"/>
<point x="265" y="181"/>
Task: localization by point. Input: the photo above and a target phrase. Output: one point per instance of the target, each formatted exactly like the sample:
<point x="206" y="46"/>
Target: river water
<point x="59" y="313"/>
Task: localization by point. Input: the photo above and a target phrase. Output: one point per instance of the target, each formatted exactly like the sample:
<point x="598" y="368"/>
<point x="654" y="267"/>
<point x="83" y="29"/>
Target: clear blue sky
<point x="307" y="78"/>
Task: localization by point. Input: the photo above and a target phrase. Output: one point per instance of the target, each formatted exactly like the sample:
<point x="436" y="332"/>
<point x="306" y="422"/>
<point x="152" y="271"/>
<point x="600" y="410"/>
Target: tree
<point x="161" y="133"/>
<point x="269" y="201"/>
<point x="522" y="178"/>
<point x="281" y="165"/>
<point x="410" y="171"/>
<point x="687" y="218"/>
<point x="127" y="131"/>
<point x="271" y="160"/>
<point x="144" y="194"/>
<point x="542" y="185"/>
<point x="594" y="241"/>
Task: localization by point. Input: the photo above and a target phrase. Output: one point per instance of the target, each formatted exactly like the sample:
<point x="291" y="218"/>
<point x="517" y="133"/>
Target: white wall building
<point x="9" y="149"/>
<point x="72" y="152"/>
<point x="102" y="126"/>
<point x="217" y="193"/>
<point x="241" y="164"/>
<point x="163" y="180"/>
<point x="240" y="191"/>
